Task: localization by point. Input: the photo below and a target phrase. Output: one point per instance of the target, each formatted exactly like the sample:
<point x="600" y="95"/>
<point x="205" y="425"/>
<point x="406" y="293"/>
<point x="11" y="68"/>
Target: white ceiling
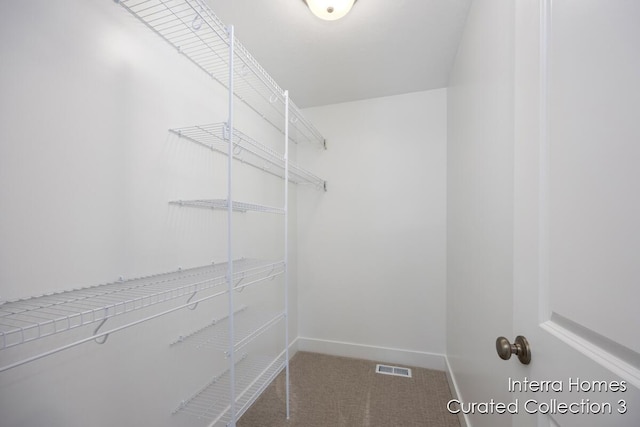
<point x="383" y="47"/>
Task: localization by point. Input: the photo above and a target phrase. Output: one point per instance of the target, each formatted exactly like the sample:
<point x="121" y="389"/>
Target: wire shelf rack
<point x="223" y="204"/>
<point x="192" y="28"/>
<point x="29" y="319"/>
<point x="215" y="136"/>
<point x="253" y="375"/>
<point x="248" y="325"/>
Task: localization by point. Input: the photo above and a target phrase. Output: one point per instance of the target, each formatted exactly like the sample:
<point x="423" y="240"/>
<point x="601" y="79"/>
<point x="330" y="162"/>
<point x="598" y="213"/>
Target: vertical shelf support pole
<point x="232" y="354"/>
<point x="286" y="242"/>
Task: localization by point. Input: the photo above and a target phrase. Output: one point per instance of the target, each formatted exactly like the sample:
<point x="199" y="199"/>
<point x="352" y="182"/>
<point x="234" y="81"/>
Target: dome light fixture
<point x="330" y="10"/>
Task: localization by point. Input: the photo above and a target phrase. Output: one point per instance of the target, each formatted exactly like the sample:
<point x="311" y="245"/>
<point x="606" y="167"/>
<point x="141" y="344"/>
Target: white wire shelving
<point x="192" y="28"/>
<point x="33" y="318"/>
<point x="215" y="136"/>
<point x="223" y="204"/>
<point x="198" y="34"/>
<point x="252" y="375"/>
<point x="249" y="325"/>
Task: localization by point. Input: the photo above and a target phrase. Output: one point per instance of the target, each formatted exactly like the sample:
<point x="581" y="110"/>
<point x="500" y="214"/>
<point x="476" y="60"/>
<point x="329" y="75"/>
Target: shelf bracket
<point x="196" y="24"/>
<point x="225" y="131"/>
<point x="95" y="332"/>
<point x="238" y="284"/>
<point x="194" y="306"/>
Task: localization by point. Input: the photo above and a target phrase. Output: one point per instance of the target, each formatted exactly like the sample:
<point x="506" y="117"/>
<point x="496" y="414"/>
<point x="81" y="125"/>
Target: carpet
<point x="330" y="391"/>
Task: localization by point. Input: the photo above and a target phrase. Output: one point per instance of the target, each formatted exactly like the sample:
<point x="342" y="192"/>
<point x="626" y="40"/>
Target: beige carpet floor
<point x="329" y="391"/>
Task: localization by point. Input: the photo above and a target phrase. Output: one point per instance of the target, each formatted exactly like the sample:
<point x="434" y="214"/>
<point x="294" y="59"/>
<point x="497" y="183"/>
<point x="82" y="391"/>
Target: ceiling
<point x="381" y="48"/>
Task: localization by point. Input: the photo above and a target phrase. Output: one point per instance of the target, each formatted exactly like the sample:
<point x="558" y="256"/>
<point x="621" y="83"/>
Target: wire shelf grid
<point x="248" y="325"/>
<point x="29" y="319"/>
<point x="223" y="204"/>
<point x="197" y="33"/>
<point x="247" y="150"/>
<point x="253" y="375"/>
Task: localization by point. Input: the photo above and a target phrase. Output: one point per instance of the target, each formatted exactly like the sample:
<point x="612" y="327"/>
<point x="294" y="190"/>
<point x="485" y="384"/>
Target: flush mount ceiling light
<point x="330" y="10"/>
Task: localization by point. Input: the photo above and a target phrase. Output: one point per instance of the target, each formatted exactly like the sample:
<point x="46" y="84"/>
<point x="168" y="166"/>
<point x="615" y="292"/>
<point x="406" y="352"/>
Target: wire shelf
<point x="249" y="324"/>
<point x="246" y="150"/>
<point x="196" y="32"/>
<point x="224" y="204"/>
<point x="253" y="375"/>
<point x="33" y="318"/>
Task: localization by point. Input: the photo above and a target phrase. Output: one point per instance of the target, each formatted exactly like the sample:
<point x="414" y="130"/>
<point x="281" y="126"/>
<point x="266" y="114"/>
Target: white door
<point x="577" y="214"/>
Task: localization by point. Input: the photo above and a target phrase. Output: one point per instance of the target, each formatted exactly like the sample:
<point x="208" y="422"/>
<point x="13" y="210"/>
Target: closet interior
<point x="229" y="318"/>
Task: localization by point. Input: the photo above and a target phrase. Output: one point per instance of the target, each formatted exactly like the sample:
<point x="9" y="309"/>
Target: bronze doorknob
<point x="520" y="348"/>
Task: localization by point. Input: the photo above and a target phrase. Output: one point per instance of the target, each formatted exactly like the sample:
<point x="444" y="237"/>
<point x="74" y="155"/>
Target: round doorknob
<point x="520" y="348"/>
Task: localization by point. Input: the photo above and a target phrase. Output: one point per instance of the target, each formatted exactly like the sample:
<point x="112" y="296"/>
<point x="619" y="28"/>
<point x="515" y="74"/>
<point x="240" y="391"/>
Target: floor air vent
<point x="393" y="370"/>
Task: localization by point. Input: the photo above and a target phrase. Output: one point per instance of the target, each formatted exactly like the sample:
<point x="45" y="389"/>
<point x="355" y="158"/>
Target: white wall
<point x="372" y="249"/>
<point x="480" y="206"/>
<point x="87" y="168"/>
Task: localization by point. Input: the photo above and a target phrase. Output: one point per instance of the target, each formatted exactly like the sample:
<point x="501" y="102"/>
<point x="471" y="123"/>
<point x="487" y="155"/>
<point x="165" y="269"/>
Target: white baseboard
<point x="293" y="348"/>
<point x="453" y="386"/>
<point x="418" y="359"/>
